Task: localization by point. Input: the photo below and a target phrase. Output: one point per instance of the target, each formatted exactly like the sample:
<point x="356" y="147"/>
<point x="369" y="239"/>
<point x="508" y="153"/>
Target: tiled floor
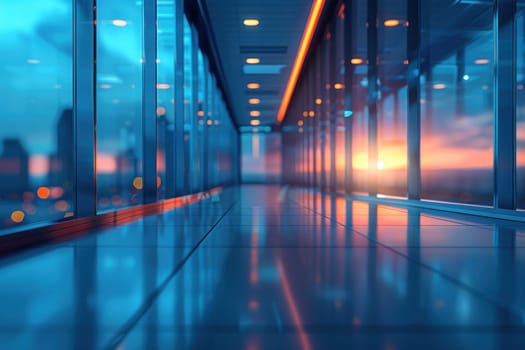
<point x="266" y="267"/>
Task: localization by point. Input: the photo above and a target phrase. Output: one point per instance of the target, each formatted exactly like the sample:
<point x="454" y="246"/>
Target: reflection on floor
<point x="266" y="267"/>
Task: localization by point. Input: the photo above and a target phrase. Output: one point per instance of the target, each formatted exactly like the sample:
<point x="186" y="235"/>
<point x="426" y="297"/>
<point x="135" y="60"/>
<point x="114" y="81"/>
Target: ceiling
<point x="274" y="41"/>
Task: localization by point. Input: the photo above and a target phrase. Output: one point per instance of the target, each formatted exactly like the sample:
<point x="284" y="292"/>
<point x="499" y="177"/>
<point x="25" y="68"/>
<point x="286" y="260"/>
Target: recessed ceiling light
<point x="255" y="114"/>
<point x="253" y="60"/>
<point x="318" y="101"/>
<point x="356" y="60"/>
<point x="119" y="23"/>
<point x="481" y="61"/>
<point x="339" y="86"/>
<point x="439" y="86"/>
<point x="254" y="101"/>
<point x="392" y="22"/>
<point x="255" y="122"/>
<point x="250" y="22"/>
<point x="253" y="86"/>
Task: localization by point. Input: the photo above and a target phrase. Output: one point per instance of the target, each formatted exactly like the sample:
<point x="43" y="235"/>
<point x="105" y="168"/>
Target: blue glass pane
<point x="119" y="104"/>
<point x="457" y="112"/>
<point x="36" y="137"/>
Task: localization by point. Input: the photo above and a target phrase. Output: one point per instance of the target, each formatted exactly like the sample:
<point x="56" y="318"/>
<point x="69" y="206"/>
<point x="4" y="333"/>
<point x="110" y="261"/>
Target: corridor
<point x="271" y="267"/>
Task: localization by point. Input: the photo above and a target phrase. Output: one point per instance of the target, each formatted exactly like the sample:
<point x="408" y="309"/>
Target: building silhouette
<point x="14" y="169"/>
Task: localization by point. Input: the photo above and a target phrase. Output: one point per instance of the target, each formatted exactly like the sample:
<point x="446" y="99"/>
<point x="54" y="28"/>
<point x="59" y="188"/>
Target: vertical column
<point x="194" y="161"/>
<point x="206" y="103"/>
<point x="349" y="73"/>
<point x="414" y="106"/>
<point x="149" y="102"/>
<point x="332" y="120"/>
<point x="504" y="104"/>
<point x="179" y="100"/>
<point x="84" y="102"/>
<point x="372" y="40"/>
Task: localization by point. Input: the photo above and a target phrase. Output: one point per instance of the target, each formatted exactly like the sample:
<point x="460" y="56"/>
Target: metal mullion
<point x="194" y="161"/>
<point x="372" y="43"/>
<point x="178" y="153"/>
<point x="149" y="102"/>
<point x="349" y="73"/>
<point x="84" y="102"/>
<point x="332" y="93"/>
<point x="504" y="104"/>
<point x="414" y="107"/>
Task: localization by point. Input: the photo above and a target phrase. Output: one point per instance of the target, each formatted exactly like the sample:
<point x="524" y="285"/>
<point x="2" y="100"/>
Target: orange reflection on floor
<point x="290" y="301"/>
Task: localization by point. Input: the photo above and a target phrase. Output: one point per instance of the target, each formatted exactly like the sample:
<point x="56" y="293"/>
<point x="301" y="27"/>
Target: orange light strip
<point x="306" y="40"/>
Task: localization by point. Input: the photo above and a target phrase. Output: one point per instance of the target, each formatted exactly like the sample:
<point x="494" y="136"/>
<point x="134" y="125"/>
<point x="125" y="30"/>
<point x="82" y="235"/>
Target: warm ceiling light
<point x="311" y="24"/>
<point x="300" y="123"/>
<point x="305" y="114"/>
<point x="339" y="86"/>
<point x="254" y="101"/>
<point x="163" y="86"/>
<point x="253" y="86"/>
<point x="481" y="61"/>
<point x="356" y="60"/>
<point x="250" y="22"/>
<point x="255" y="122"/>
<point x="318" y="101"/>
<point x="253" y="60"/>
<point x="439" y="86"/>
<point x="391" y="22"/>
<point x="255" y="114"/>
<point x="119" y="23"/>
<point x="311" y="114"/>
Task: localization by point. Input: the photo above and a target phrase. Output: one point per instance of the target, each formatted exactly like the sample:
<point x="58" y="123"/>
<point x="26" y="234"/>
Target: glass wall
<point x="36" y="137"/>
<point x="357" y="112"/>
<point x="457" y="115"/>
<point x="261" y="157"/>
<point x="451" y="86"/>
<point x="166" y="59"/>
<point x="120" y="59"/>
<point x="392" y="97"/>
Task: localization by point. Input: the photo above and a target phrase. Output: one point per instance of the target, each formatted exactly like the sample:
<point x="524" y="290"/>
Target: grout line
<point x="443" y="275"/>
<point x="116" y="340"/>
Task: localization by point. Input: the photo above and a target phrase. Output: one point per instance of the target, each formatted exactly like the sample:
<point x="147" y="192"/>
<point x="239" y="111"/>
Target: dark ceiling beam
<point x="198" y="14"/>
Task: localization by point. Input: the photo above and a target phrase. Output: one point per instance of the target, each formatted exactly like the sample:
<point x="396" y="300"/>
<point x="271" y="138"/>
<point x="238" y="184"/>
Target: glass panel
<point x="325" y="121"/>
<point x="456" y="101"/>
<point x="188" y="104"/>
<point x="339" y="100"/>
<point x="119" y="105"/>
<point x="392" y="101"/>
<point x="166" y="45"/>
<point x="359" y="91"/>
<point x="37" y="136"/>
<point x="261" y="157"/>
<point x="199" y="128"/>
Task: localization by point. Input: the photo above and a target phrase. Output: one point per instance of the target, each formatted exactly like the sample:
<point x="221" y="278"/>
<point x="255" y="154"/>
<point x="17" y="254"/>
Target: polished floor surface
<point x="267" y="267"/>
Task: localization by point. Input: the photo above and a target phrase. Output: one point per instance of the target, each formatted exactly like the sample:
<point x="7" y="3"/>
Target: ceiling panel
<point x="275" y="42"/>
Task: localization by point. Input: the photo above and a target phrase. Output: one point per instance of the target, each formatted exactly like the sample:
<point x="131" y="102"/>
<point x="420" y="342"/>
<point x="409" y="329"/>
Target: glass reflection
<point x="119" y="105"/>
<point x="456" y="102"/>
<point x="166" y="41"/>
<point x="392" y="99"/>
<point x="36" y="137"/>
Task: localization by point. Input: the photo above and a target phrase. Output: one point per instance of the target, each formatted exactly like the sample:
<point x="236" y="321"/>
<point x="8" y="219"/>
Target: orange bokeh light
<point x="17" y="216"/>
<point x="43" y="192"/>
